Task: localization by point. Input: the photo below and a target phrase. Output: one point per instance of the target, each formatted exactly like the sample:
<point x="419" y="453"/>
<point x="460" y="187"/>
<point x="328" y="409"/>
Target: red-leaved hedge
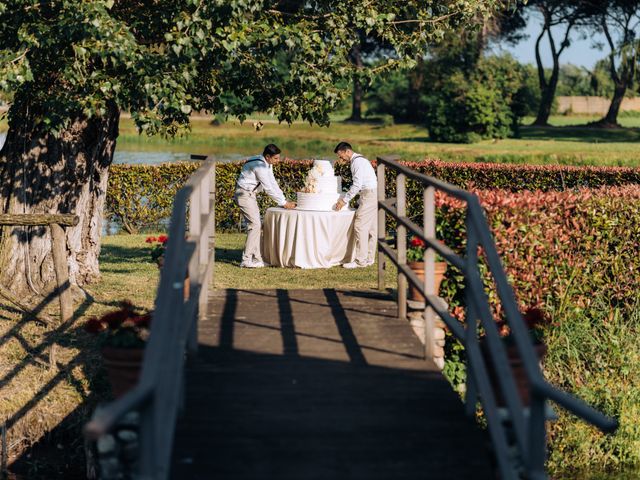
<point x="570" y="246"/>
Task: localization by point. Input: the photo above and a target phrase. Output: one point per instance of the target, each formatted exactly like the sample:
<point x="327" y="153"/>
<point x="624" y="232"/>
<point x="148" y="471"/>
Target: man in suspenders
<point x="365" y="224"/>
<point x="257" y="176"/>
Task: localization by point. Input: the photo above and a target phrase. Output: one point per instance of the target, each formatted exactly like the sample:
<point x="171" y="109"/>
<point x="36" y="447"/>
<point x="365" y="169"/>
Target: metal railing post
<point x="382" y="224"/>
<point x="429" y="225"/>
<point x="471" y="319"/>
<point x="401" y="241"/>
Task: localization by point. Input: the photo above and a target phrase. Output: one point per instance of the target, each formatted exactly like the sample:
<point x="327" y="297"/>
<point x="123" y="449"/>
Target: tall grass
<point x="594" y="353"/>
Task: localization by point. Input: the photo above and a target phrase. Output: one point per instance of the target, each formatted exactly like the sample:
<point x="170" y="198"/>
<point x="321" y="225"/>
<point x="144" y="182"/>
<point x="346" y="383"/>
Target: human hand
<point x="339" y="204"/>
<point x="290" y="205"/>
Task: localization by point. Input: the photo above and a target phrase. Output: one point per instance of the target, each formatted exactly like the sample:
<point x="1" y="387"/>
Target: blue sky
<point x="581" y="51"/>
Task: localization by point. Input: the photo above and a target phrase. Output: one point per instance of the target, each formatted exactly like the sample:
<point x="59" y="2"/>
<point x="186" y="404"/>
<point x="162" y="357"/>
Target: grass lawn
<point x="42" y="393"/>
<point x="568" y="142"/>
<point x="228" y="274"/>
<point x="576" y="145"/>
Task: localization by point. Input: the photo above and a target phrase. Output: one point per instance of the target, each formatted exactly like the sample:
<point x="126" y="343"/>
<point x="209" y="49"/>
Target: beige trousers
<point x="248" y="204"/>
<point x="365" y="227"/>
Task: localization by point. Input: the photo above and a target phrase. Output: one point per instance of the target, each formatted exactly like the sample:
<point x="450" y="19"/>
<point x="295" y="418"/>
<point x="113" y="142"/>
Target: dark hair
<point x="271" y="150"/>
<point x="342" y="146"/>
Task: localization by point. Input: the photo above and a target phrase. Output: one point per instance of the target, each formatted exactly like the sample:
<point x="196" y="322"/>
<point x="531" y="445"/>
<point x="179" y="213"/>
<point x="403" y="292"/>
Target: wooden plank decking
<point x="319" y="384"/>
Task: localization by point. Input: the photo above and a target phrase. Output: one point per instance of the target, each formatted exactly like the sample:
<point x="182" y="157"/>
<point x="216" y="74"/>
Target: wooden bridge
<point x="298" y="384"/>
<point x="331" y="383"/>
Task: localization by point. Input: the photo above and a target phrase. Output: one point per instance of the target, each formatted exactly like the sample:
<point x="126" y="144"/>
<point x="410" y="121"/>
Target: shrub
<point x="575" y="253"/>
<point x="141" y="195"/>
<point x="466" y="106"/>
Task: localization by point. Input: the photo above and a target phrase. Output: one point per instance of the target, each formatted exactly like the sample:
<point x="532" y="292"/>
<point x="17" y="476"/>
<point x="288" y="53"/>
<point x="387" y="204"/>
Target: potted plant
<point x="535" y="319"/>
<point x="415" y="261"/>
<point x="158" y="247"/>
<point x="123" y="334"/>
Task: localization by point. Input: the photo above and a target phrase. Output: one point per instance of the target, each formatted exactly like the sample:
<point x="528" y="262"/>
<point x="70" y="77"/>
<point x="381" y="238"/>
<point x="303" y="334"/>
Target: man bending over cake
<point x="256" y="176"/>
<point x="365" y="224"/>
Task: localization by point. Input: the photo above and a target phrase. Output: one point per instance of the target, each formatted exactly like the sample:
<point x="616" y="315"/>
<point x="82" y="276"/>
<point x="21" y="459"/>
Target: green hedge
<point x="140" y="195"/>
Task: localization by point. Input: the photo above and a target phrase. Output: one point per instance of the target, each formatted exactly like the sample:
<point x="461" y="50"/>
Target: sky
<point x="580" y="52"/>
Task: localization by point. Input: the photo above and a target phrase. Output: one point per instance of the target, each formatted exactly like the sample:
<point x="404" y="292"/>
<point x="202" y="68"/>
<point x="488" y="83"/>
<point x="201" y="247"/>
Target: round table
<point x="308" y="239"/>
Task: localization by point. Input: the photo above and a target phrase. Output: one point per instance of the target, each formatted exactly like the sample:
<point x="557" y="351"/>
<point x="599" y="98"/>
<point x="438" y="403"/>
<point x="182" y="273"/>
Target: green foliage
<point x="594" y="353"/>
<point x="467" y="106"/>
<point x="162" y="60"/>
<point x="389" y="95"/>
<point x="139" y="196"/>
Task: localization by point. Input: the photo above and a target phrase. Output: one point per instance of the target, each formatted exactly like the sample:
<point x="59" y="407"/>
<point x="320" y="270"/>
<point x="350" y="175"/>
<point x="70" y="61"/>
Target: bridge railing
<point x="526" y="424"/>
<point x="158" y="396"/>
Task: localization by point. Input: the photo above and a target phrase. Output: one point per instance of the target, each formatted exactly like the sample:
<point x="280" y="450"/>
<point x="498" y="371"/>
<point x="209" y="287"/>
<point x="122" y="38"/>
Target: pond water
<point x="152" y="158"/>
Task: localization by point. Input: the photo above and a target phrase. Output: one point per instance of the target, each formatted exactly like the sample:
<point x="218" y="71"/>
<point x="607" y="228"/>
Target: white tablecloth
<point x="308" y="239"/>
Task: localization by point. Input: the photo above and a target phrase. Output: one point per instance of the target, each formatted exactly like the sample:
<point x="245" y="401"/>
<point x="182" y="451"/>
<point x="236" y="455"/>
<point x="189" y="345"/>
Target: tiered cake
<point x="322" y="188"/>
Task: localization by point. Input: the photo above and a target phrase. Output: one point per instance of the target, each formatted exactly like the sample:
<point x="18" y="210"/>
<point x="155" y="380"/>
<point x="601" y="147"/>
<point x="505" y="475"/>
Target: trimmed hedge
<point x="140" y="195"/>
<point x="577" y="255"/>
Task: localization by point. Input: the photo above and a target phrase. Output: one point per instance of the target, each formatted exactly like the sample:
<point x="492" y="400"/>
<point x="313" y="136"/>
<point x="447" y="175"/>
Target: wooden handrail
<point x="173" y="329"/>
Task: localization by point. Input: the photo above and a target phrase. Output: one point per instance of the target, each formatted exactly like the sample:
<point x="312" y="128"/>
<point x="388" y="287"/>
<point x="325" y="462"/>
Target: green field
<point x="577" y="145"/>
<point x="569" y="142"/>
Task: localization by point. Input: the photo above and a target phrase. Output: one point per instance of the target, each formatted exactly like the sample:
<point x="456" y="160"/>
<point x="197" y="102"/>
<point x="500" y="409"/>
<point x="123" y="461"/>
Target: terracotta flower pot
<point x="418" y="268"/>
<point x="517" y="367"/>
<point x="123" y="367"/>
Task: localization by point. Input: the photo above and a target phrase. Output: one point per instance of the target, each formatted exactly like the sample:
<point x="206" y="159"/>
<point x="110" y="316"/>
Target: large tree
<point x="74" y="65"/>
<point x="563" y="16"/>
<point x="619" y="22"/>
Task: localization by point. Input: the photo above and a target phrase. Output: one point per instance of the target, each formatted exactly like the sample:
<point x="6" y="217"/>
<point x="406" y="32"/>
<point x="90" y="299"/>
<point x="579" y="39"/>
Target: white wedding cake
<point x="322" y="188"/>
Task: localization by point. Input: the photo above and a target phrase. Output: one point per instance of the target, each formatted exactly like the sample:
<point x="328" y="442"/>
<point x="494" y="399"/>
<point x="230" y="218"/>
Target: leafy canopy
<point x="163" y="59"/>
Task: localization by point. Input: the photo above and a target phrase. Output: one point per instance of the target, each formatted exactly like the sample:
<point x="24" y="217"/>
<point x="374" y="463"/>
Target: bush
<point x="465" y="106"/>
<point x="141" y="195"/>
<point x="575" y="253"/>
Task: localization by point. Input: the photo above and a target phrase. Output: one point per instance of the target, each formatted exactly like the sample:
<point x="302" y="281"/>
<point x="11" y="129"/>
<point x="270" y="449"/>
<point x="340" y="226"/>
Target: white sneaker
<point x="352" y="265"/>
<point x="252" y="264"/>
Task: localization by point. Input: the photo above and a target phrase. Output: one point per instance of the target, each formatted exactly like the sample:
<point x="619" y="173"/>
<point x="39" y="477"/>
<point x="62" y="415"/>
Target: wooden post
<point x="401" y="243"/>
<point x="56" y="222"/>
<point x="429" y="223"/>
<point x="382" y="227"/>
<point x="62" y="271"/>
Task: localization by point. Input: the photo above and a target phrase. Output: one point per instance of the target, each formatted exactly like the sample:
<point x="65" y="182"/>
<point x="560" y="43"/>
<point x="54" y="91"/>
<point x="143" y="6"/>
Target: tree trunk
<point x="611" y="118"/>
<point x="356" y="104"/>
<point x="546" y="99"/>
<point x="40" y="173"/>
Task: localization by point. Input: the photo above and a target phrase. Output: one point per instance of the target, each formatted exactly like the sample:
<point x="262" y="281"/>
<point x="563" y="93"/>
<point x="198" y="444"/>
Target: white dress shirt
<point x="257" y="175"/>
<point x="364" y="177"/>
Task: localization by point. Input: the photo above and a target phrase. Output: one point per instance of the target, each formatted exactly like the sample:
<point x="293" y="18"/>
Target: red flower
<point x="417" y="242"/>
<point x="150" y="239"/>
<point x="163" y="239"/>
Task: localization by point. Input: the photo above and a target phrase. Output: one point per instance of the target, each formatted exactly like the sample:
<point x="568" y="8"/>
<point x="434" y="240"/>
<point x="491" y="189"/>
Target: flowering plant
<point x="125" y="327"/>
<point x="158" y="247"/>
<point x="416" y="248"/>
